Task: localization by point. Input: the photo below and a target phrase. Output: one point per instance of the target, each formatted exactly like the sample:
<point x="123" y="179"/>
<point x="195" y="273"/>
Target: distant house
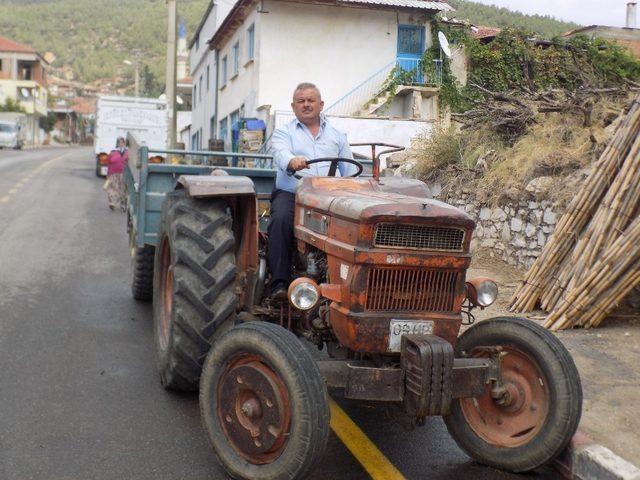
<point x="627" y="37"/>
<point x="23" y="79"/>
<point x="347" y="47"/>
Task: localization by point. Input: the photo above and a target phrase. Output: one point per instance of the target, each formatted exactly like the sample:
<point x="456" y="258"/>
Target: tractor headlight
<point x="304" y="293"/>
<point x="482" y="292"/>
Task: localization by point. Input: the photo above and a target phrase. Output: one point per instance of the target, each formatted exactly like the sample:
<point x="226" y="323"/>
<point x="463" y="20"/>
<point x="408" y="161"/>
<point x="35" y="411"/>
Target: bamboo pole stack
<point x="597" y="228"/>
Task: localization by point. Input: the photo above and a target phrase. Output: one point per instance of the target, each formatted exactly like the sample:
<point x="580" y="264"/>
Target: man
<point x="308" y="137"/>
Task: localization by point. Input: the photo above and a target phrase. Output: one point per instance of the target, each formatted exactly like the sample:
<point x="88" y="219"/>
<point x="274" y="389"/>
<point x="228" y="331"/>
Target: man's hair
<point x="307" y="86"/>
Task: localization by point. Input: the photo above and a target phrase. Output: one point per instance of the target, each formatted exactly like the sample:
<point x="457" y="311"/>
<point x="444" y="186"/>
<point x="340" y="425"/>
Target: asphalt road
<point x="79" y="394"/>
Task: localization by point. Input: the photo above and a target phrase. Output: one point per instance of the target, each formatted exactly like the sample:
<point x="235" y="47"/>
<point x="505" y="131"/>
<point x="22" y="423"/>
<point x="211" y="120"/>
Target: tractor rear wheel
<point x="535" y="420"/>
<point x="264" y="404"/>
<point x="194" y="297"/>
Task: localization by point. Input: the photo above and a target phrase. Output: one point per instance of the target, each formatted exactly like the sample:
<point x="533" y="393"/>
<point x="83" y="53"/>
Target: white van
<point x="11" y="134"/>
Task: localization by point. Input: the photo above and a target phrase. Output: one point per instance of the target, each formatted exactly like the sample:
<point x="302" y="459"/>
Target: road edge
<point x="584" y="459"/>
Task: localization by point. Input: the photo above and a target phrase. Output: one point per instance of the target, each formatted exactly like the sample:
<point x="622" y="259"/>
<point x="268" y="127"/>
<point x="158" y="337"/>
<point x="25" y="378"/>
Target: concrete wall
<point x="336" y="48"/>
<point x="202" y="57"/>
<point x="240" y="92"/>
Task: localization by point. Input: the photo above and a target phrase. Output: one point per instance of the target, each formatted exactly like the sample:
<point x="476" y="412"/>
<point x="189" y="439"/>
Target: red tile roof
<point x="481" y="32"/>
<point x="7" y="45"/>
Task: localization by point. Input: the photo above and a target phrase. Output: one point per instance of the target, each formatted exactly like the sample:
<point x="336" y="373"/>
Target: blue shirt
<point x="295" y="140"/>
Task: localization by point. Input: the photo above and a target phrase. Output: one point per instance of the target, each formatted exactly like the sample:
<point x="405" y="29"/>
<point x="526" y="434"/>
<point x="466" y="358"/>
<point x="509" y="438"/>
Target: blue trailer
<point x="150" y="175"/>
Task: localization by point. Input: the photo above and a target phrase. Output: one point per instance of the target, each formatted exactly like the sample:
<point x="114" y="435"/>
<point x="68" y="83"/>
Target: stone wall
<point x="516" y="232"/>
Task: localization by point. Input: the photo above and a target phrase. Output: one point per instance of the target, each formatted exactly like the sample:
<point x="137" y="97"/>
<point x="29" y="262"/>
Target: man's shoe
<point x="279" y="293"/>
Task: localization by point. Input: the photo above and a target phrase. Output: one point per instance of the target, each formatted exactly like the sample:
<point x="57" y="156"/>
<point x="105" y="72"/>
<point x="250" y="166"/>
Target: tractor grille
<point x="411" y="290"/>
<point x="420" y="237"/>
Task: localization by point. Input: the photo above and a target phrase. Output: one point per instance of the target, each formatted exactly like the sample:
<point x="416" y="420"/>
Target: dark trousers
<point x="280" y="230"/>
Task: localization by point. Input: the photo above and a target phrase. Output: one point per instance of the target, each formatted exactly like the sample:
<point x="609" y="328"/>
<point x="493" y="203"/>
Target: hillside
<point x="93" y="37"/>
<point x="480" y="14"/>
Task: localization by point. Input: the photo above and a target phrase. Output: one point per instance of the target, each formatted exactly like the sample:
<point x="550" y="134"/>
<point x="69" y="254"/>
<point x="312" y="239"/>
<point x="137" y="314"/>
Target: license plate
<point x="103" y="170"/>
<point x="398" y="328"/>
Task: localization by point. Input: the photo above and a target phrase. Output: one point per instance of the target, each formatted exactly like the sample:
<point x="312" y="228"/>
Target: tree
<point x="12" y="105"/>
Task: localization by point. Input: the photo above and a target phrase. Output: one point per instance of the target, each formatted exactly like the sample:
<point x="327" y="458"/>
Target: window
<point x="200" y="139"/>
<point x="200" y="88"/>
<point x="223" y="129"/>
<point x="235" y="116"/>
<point x="212" y="127"/>
<point x="208" y="79"/>
<point x="198" y="42"/>
<point x="236" y="58"/>
<point x="251" y="34"/>
<point x="195" y="95"/>
<point x="194" y="141"/>
<point x="224" y="70"/>
<point x="0" y="64"/>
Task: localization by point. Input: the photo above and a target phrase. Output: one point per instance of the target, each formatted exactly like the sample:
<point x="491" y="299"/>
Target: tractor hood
<point x="369" y="201"/>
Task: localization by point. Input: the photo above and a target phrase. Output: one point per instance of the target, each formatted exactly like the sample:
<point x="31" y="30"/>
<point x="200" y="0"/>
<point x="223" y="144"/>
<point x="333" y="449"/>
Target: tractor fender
<point x="240" y="195"/>
<point x="216" y="185"/>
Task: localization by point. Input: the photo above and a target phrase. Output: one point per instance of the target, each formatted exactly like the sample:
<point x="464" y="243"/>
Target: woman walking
<point x="115" y="181"/>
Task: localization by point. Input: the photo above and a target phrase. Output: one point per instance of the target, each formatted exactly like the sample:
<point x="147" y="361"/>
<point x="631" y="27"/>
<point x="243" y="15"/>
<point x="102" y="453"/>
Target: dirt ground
<point x="608" y="359"/>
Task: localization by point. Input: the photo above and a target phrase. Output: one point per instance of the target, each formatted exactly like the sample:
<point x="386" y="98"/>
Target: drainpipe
<point x="215" y="103"/>
<point x="631" y="14"/>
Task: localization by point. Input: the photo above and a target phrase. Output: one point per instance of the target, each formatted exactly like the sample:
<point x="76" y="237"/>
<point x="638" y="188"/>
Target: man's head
<point x="307" y="103"/>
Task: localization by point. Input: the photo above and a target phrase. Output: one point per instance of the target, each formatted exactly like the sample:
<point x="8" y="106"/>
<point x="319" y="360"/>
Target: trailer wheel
<point x="543" y="405"/>
<point x="142" y="272"/>
<point x="194" y="297"/>
<point x="264" y="404"/>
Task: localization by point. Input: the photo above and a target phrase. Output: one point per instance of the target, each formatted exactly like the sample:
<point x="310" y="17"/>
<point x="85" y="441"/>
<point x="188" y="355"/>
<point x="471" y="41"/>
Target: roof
<point x="201" y="24"/>
<point x="8" y="45"/>
<point x="480" y="32"/>
<point x="242" y="8"/>
<point x="579" y="30"/>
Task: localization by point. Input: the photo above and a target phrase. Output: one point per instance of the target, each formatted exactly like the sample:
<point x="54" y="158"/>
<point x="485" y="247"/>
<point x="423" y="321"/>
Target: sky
<point x="583" y="12"/>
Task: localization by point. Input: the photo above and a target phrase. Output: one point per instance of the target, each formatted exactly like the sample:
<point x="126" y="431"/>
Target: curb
<point x="585" y="460"/>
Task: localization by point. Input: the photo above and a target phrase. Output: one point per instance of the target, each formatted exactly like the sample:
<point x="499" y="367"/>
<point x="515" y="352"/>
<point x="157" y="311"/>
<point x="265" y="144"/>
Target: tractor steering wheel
<point x="334" y="166"/>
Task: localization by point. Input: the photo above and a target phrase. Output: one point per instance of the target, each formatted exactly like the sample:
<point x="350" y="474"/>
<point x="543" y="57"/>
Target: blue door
<point x="410" y="50"/>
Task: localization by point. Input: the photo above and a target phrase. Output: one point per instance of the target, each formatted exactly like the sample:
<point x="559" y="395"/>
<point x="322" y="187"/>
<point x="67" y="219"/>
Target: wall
<point x="240" y="91"/>
<point x="202" y="57"/>
<point x="516" y="231"/>
<point x="336" y="48"/>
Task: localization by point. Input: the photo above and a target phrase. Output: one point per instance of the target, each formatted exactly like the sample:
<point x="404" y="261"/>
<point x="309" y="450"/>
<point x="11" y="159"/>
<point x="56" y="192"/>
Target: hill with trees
<point x="92" y="38"/>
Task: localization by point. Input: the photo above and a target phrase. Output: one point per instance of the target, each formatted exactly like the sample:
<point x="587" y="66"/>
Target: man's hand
<point x="297" y="163"/>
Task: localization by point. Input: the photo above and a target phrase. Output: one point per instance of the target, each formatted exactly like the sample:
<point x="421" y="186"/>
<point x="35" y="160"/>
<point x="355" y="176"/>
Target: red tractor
<point x="380" y="290"/>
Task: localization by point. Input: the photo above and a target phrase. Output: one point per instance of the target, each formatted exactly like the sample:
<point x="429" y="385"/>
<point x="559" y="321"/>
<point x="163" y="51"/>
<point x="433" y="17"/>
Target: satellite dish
<point x="162" y="97"/>
<point x="444" y="44"/>
<point x="24" y="92"/>
<point x="179" y="100"/>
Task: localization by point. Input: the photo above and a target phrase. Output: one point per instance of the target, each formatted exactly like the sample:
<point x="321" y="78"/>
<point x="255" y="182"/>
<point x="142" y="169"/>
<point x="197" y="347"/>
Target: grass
<point x="558" y="146"/>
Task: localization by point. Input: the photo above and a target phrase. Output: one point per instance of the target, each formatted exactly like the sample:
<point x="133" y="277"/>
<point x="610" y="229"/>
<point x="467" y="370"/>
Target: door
<point x="410" y="50"/>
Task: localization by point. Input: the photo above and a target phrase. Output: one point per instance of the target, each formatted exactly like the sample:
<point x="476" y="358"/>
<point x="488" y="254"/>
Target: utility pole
<point x="137" y="79"/>
<point x="172" y="39"/>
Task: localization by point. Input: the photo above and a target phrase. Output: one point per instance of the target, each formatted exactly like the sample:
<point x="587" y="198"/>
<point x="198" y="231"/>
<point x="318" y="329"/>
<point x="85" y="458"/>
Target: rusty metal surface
<point x="245" y="225"/>
<point x="253" y="409"/>
<point x="513" y="412"/>
<point x="427" y="361"/>
<point x="363" y="381"/>
<point x="469" y="377"/>
<point x="369" y="332"/>
<point x="217" y="185"/>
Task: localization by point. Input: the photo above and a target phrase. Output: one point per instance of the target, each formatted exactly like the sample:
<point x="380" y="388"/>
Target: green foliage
<point x="489" y="15"/>
<point x="94" y="37"/>
<point x="12" y="105"/>
<point x="47" y="123"/>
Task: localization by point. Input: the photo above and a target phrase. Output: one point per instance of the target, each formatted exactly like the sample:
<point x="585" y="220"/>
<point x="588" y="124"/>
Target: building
<point x="203" y="76"/>
<point x="628" y="37"/>
<point x="23" y="79"/>
<point x="347" y="47"/>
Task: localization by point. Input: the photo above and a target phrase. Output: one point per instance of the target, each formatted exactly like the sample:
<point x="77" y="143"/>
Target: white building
<point x="203" y="72"/>
<point x="347" y="47"/>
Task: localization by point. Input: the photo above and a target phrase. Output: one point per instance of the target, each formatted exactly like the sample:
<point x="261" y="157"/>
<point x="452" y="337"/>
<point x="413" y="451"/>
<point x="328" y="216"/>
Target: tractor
<point x="374" y="313"/>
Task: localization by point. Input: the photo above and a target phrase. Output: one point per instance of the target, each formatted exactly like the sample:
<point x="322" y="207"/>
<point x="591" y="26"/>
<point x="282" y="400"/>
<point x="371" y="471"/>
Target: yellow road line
<point x="13" y="190"/>
<point x="363" y="449"/>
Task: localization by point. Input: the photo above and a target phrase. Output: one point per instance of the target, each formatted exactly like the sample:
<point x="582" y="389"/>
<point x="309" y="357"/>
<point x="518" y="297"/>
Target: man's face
<point x="307" y="105"/>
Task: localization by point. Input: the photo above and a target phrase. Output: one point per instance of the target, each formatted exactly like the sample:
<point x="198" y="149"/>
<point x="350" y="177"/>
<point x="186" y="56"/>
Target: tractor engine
<point x="387" y="261"/>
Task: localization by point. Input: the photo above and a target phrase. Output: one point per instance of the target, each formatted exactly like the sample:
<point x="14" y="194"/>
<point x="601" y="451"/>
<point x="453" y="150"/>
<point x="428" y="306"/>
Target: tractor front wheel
<point x="264" y="404"/>
<point x="536" y="415"/>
